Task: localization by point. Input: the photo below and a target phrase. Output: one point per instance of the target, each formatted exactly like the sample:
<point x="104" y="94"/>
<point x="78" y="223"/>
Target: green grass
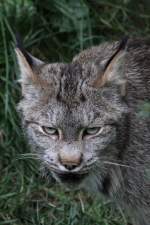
<point x="54" y="30"/>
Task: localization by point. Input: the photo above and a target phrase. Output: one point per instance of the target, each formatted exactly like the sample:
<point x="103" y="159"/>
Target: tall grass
<point x="53" y="30"/>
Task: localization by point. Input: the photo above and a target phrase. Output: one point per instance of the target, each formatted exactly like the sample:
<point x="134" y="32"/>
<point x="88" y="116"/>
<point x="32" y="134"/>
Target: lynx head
<point x="71" y="112"/>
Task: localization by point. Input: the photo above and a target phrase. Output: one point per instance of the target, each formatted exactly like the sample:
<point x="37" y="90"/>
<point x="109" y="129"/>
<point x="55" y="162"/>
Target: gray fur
<point x="118" y="159"/>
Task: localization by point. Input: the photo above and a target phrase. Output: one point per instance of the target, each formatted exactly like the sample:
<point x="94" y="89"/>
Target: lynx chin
<point x="82" y="120"/>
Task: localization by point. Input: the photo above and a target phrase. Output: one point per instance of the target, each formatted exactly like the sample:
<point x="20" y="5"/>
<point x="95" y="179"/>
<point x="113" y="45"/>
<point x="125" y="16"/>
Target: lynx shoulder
<point x="82" y="120"/>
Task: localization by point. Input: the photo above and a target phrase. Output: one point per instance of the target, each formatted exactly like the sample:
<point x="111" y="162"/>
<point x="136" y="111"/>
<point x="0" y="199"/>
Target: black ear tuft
<point x="19" y="45"/>
<point x="123" y="43"/>
<point x="122" y="46"/>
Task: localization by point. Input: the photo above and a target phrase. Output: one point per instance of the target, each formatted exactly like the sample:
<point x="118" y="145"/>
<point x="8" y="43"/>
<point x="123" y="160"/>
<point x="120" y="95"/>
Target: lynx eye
<point x="50" y="131"/>
<point x="91" y="131"/>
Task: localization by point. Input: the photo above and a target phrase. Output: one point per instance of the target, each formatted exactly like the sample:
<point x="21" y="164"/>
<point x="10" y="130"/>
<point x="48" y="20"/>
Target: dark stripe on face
<point x="123" y="140"/>
<point x="106" y="185"/>
<point x="68" y="91"/>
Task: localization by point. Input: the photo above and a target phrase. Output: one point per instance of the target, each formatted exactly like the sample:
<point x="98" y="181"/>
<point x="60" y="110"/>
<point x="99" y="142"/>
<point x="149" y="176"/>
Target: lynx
<point x="82" y="120"/>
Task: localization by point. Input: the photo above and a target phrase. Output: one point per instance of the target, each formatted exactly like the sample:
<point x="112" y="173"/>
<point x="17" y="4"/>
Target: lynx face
<point x="71" y="113"/>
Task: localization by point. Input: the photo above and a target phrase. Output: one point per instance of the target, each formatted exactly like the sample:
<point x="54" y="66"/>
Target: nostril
<point x="69" y="167"/>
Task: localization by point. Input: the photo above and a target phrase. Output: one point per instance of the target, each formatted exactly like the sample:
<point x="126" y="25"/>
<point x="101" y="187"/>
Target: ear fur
<point x="113" y="69"/>
<point x="28" y="66"/>
<point x="31" y="81"/>
<point x="27" y="63"/>
<point x="25" y="68"/>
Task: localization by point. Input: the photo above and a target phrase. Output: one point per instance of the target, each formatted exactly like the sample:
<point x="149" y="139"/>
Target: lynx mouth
<point x="71" y="178"/>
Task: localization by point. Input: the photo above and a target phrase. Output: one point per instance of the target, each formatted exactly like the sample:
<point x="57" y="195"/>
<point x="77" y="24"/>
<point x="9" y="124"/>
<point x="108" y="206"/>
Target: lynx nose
<point x="70" y="157"/>
<point x="70" y="164"/>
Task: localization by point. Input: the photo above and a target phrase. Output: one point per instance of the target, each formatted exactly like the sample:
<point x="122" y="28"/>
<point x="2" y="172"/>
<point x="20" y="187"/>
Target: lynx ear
<point x="114" y="69"/>
<point x="28" y="65"/>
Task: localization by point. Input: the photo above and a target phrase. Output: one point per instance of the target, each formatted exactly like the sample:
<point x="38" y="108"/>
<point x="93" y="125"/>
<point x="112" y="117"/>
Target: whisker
<point x="102" y="161"/>
<point x="28" y="156"/>
<point x="117" y="164"/>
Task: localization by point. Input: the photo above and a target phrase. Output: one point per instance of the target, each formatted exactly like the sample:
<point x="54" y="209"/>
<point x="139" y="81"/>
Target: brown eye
<point x="92" y="131"/>
<point x="50" y="131"/>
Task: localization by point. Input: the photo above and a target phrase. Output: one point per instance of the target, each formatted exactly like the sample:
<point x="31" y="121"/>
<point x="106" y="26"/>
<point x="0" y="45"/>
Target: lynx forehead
<point x="82" y="120"/>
